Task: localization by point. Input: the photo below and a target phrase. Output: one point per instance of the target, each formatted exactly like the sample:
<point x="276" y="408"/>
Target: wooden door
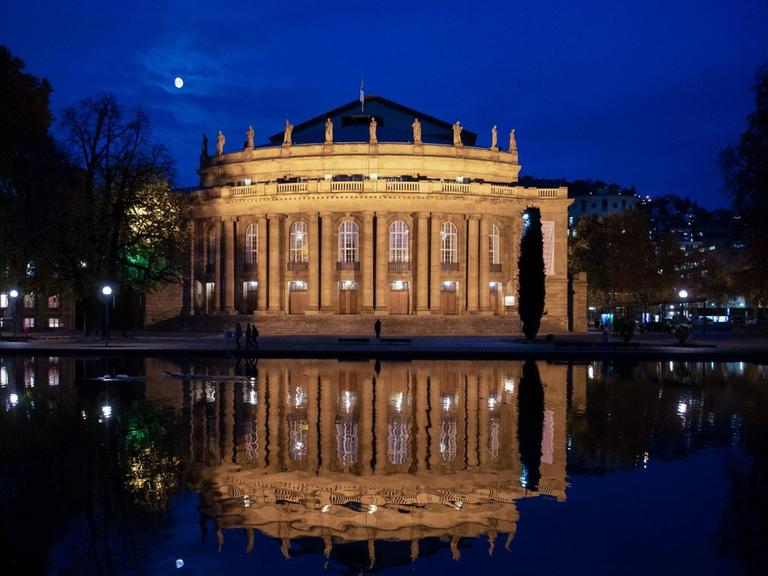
<point x="297" y="301"/>
<point x="449" y="302"/>
<point x="398" y="301"/>
<point x="348" y="301"/>
<point x="495" y="298"/>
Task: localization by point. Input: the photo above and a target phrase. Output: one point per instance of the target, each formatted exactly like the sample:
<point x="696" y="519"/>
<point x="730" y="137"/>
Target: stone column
<point x="422" y="264"/>
<point x="367" y="247"/>
<point x="193" y="255"/>
<point x="275" y="267"/>
<point x="314" y="265"/>
<point x="327" y="272"/>
<point x="365" y="409"/>
<point x="261" y="303"/>
<point x="382" y="263"/>
<point x="229" y="266"/>
<point x="422" y="418"/>
<point x="217" y="287"/>
<point x="472" y="408"/>
<point x="485" y="264"/>
<point x="434" y="263"/>
<point x="472" y="272"/>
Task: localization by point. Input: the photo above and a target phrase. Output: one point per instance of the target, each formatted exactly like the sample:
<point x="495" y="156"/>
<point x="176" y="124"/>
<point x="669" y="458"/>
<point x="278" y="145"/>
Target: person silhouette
<point x="377" y="329"/>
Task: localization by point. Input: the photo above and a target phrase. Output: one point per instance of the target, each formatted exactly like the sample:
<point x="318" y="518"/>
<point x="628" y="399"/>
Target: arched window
<point x="494" y="238"/>
<point x="398" y="242"/>
<point x="348" y="242"/>
<point x="251" y="244"/>
<point x="212" y="247"/>
<point x="299" y="243"/>
<point x="448" y="243"/>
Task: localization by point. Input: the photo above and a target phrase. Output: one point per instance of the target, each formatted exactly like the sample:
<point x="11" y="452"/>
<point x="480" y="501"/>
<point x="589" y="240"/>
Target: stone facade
<point x="367" y="228"/>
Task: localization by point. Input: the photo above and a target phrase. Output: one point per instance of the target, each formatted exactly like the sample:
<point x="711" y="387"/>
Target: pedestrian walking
<point x="255" y="336"/>
<point x="377" y="329"/>
<point x="248" y="336"/>
<point x="238" y="334"/>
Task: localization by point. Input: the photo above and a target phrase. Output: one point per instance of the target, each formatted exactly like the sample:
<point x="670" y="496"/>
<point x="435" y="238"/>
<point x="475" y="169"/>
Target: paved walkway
<point x="566" y="346"/>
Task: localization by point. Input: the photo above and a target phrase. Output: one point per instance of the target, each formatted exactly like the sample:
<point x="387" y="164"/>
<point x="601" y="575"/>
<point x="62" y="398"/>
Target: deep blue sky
<point x="642" y="93"/>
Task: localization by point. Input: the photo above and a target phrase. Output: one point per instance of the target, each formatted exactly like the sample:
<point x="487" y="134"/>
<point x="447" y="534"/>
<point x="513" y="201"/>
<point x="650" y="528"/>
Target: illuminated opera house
<point x="371" y="208"/>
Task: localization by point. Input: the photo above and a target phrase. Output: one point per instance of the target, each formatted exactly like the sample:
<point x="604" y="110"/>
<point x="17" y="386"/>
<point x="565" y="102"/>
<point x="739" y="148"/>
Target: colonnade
<point x="221" y="281"/>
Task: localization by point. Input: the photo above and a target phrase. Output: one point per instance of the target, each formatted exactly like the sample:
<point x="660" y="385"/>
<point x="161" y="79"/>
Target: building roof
<point x="351" y="121"/>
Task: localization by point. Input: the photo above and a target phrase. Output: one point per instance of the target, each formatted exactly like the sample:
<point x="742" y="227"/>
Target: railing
<point x="250" y="266"/>
<point x="455" y="187"/>
<point x="298" y="266"/>
<point x="347" y="265"/>
<point x="373" y="186"/>
<point x="449" y="266"/>
<point x="350" y="186"/>
<point x="395" y="186"/>
<point x="495" y="267"/>
<point x="399" y="266"/>
<point x="291" y="187"/>
<point x="244" y="190"/>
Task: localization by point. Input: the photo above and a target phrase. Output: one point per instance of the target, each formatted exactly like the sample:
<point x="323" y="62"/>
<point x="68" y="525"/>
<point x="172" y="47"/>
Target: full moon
<point x="178" y="82"/>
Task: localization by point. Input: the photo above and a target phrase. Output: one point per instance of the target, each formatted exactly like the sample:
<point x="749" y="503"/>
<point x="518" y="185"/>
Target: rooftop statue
<point x="328" y="131"/>
<point x="288" y="134"/>
<point x="494" y="138"/>
<point x="372" y="130"/>
<point x="416" y="131"/>
<point x="204" y="151"/>
<point x="512" y="141"/>
<point x="220" y="140"/>
<point x="457" y="134"/>
<point x="249" y="135"/>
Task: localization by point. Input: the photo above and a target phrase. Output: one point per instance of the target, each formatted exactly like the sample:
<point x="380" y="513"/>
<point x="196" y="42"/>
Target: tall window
<point x="212" y="247"/>
<point x="398" y="242"/>
<point x="448" y="243"/>
<point x="299" y="242"/>
<point x="494" y="244"/>
<point x="348" y="242"/>
<point x="251" y="244"/>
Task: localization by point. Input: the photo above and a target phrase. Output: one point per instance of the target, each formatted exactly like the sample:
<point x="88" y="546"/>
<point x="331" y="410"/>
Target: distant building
<point x="599" y="201"/>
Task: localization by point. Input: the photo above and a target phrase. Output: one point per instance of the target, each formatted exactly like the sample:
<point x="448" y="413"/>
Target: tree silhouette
<point x="530" y="429"/>
<point x="531" y="291"/>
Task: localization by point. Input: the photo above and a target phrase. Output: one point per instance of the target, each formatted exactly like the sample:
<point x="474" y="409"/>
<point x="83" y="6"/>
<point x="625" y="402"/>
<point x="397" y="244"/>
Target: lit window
<point x="299" y="243"/>
<point x="448" y="243"/>
<point x="251" y="244"/>
<point x="29" y="322"/>
<point x="53" y="301"/>
<point x="53" y="376"/>
<point x="54" y="322"/>
<point x="348" y="241"/>
<point x="3" y="300"/>
<point x="398" y="242"/>
<point x="29" y="301"/>
<point x="494" y="238"/>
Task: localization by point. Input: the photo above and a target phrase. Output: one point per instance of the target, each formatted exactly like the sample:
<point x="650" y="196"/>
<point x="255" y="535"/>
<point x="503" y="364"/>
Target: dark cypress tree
<point x="530" y="426"/>
<point x="531" y="292"/>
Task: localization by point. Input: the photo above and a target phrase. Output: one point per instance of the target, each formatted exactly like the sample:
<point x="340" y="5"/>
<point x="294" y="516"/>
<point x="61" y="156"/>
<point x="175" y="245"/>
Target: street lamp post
<point x="683" y="293"/>
<point x="14" y="294"/>
<point x="107" y="292"/>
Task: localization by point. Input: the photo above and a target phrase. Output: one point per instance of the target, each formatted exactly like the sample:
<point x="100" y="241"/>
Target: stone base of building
<point x="359" y="325"/>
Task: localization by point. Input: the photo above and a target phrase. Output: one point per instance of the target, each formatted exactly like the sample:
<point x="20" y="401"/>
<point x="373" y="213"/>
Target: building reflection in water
<point x="340" y="452"/>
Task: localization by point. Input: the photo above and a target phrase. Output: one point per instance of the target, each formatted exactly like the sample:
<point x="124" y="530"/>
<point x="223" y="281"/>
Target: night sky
<point x="642" y="93"/>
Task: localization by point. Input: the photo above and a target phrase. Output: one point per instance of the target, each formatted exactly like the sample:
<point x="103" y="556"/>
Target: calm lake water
<point x="339" y="467"/>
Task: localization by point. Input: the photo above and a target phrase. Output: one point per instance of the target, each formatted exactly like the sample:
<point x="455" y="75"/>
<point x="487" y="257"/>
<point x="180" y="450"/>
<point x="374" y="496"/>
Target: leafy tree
<point x="31" y="169"/>
<point x="745" y="170"/>
<point x="532" y="291"/>
<point x="616" y="253"/>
